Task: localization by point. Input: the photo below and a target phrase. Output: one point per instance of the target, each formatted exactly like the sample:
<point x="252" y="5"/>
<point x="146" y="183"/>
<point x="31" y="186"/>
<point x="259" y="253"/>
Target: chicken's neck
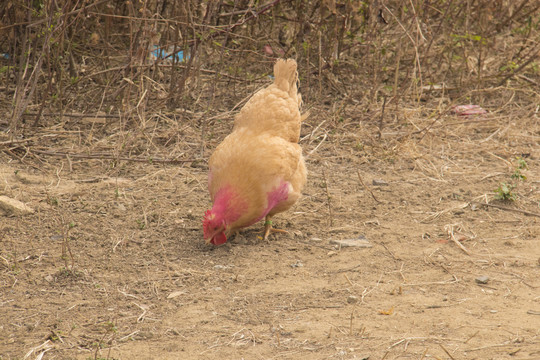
<point x="228" y="205"/>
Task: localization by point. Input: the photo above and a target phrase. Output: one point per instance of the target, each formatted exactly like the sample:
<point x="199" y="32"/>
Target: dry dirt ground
<point x="112" y="264"/>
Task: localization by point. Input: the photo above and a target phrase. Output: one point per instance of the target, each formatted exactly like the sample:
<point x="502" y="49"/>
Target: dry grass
<point x="96" y="60"/>
<point x="98" y="134"/>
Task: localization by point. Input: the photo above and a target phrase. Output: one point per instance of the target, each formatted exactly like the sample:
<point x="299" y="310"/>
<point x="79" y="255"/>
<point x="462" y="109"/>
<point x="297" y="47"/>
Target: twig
<point x="424" y="354"/>
<point x="328" y="198"/>
<point x="396" y="344"/>
<point x="206" y="71"/>
<point x="470" y="337"/>
<point x="446" y="351"/>
<point x="450" y="231"/>
<point x="316" y="147"/>
<point x="111" y="157"/>
<point x="348" y="280"/>
<point x="391" y="253"/>
<point x="500" y="207"/>
<point x="486" y="347"/>
<point x="446" y="282"/>
<point x="128" y="336"/>
<point x="13" y="142"/>
<point x="346" y="270"/>
<point x="381" y="120"/>
<point x="76" y="115"/>
<point x="365" y="186"/>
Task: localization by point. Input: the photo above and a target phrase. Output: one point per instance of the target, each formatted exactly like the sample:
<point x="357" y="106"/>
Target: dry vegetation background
<point x="105" y="133"/>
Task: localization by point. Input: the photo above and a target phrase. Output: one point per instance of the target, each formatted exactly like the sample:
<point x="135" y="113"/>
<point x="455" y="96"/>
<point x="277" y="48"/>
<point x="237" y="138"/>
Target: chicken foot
<point x="269" y="229"/>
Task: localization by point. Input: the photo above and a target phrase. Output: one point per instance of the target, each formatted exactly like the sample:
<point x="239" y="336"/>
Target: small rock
<point x="49" y="278"/>
<point x="493" y="311"/>
<point x="144" y="335"/>
<point x="474" y="207"/>
<point x="352" y="299"/>
<point x="315" y="239"/>
<point x="482" y="280"/>
<point x="377" y="182"/>
<point x="220" y="267"/>
<point x="331" y="253"/>
<point x="175" y="294"/>
<point x="298" y="263"/>
<point x="360" y="241"/>
<point x="12" y="207"/>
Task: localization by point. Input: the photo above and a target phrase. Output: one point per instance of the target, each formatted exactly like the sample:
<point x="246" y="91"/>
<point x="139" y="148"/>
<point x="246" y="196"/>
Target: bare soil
<point x="112" y="264"/>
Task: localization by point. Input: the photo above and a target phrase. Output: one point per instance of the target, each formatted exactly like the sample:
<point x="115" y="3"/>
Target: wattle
<point x="219" y="239"/>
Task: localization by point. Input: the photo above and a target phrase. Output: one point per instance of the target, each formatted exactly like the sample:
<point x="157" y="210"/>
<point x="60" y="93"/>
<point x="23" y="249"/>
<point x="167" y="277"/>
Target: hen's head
<point x="213" y="228"/>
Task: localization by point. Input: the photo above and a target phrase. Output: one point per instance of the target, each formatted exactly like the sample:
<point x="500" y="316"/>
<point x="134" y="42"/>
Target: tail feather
<point x="286" y="76"/>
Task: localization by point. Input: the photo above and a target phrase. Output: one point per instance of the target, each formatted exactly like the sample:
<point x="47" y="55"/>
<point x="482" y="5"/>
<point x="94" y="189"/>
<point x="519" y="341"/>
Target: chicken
<point x="258" y="170"/>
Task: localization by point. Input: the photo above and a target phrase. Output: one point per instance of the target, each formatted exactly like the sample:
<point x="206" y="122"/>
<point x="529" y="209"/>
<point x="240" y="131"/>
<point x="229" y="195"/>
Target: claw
<point x="269" y="229"/>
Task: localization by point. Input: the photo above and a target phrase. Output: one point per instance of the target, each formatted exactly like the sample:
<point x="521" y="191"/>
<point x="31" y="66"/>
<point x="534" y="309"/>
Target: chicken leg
<point x="269" y="229"/>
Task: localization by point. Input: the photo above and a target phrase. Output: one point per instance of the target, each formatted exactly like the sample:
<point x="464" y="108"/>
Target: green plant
<point x="521" y="165"/>
<point x="518" y="175"/>
<point x="52" y="201"/>
<point x="504" y="192"/>
<point x="141" y="224"/>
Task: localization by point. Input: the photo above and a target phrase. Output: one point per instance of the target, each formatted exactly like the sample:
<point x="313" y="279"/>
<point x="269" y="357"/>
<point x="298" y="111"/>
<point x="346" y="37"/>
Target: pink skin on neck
<point x="274" y="197"/>
<point x="224" y="212"/>
<point x="227" y="208"/>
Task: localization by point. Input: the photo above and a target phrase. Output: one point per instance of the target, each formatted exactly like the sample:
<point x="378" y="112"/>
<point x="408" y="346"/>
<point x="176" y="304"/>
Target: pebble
<point x="377" y="182"/>
<point x="175" y="294"/>
<point x="360" y="242"/>
<point x="352" y="299"/>
<point x="298" y="263"/>
<point x="482" y="280"/>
